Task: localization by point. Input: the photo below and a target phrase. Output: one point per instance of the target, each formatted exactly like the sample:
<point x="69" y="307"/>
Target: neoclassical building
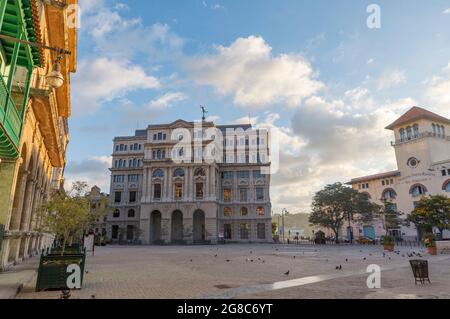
<point x="33" y="120"/>
<point x="422" y="150"/>
<point x="191" y="182"/>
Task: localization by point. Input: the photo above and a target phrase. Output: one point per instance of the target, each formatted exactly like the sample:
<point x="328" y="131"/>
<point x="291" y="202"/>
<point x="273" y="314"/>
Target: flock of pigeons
<point x="339" y="267"/>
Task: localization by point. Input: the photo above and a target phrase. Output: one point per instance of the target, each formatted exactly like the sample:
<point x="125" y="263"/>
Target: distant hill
<point x="295" y="221"/>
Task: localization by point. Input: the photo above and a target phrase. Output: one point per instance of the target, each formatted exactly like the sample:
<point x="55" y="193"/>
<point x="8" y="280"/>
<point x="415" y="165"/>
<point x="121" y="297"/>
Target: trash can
<point x="420" y="270"/>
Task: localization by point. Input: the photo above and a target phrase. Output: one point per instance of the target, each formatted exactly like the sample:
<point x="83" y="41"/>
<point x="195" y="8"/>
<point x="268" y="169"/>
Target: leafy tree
<point x="391" y="217"/>
<point x="432" y="211"/>
<point x="67" y="214"/>
<point x="336" y="204"/>
<point x="274" y="228"/>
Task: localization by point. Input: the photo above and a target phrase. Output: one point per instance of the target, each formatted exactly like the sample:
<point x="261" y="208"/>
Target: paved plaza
<point x="252" y="271"/>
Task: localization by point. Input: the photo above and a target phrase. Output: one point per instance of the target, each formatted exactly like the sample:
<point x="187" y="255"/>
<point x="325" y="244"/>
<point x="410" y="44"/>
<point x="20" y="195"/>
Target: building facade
<point x="33" y="121"/>
<point x="422" y="150"/>
<point x="99" y="206"/>
<point x="191" y="182"/>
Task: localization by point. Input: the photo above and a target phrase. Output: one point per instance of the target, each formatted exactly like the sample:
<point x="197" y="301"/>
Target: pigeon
<point x="287" y="273"/>
<point x="93" y="296"/>
<point x="215" y="256"/>
<point x="340" y="267"/>
<point x="251" y="260"/>
<point x="263" y="261"/>
<point x="191" y="260"/>
<point x="364" y="258"/>
<point x="251" y="252"/>
<point x="86" y="272"/>
<point x="227" y="260"/>
<point x="294" y="257"/>
<point x="370" y="254"/>
<point x="346" y="260"/>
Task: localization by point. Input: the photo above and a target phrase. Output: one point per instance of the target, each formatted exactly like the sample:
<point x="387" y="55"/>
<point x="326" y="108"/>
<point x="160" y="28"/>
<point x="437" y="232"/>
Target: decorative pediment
<point x="260" y="182"/>
<point x="181" y="124"/>
<point x="227" y="183"/>
<point x="133" y="185"/>
<point x="243" y="182"/>
<point x="118" y="186"/>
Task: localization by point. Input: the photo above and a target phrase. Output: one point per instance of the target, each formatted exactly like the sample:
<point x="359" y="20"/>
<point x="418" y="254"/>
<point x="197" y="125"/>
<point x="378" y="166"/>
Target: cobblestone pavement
<point x="252" y="271"/>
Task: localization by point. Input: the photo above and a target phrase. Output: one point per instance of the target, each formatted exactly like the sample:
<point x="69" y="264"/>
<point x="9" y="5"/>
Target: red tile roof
<point x="416" y="113"/>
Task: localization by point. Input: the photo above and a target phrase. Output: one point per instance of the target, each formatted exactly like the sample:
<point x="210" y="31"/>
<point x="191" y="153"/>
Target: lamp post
<point x="283" y="212"/>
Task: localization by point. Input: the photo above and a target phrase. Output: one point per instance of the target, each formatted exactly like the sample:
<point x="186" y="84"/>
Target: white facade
<point x="187" y="182"/>
<point x="422" y="150"/>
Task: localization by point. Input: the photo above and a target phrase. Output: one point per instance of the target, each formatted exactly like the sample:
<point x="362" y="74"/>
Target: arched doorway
<point x="155" y="227"/>
<point x="177" y="226"/>
<point x="199" y="226"/>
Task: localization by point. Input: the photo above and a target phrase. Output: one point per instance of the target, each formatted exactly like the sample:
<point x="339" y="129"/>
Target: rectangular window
<point x="157" y="191"/>
<point x="117" y="197"/>
<point x="119" y="178"/>
<point x="227" y="195"/>
<point x="261" y="231"/>
<point x="244" y="230"/>
<point x="132" y="196"/>
<point x="178" y="191"/>
<point x="117" y="148"/>
<point x="259" y="194"/>
<point x="243" y="174"/>
<point x="444" y="172"/>
<point x="227" y="175"/>
<point x="257" y="174"/>
<point x="133" y="178"/>
<point x="243" y="194"/>
<point x="199" y="190"/>
<point x="114" y="231"/>
<point x="227" y="231"/>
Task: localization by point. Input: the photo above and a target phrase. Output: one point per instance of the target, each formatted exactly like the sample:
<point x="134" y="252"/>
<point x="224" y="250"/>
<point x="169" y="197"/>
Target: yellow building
<point x="33" y="117"/>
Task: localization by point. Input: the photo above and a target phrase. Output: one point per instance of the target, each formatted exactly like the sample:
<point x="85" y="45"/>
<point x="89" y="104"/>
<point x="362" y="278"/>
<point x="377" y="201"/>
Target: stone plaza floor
<point x="252" y="271"/>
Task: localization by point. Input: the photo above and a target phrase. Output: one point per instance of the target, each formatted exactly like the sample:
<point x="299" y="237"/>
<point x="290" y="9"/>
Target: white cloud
<point x="249" y="72"/>
<point x="167" y="100"/>
<point x="94" y="170"/>
<point x="390" y="79"/>
<point x="446" y="11"/>
<point x="105" y="79"/>
<point x="437" y="92"/>
<point x="370" y="61"/>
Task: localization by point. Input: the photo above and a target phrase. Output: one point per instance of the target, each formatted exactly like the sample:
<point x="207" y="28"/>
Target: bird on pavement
<point x="93" y="296"/>
<point x="287" y="273"/>
<point x="346" y="260"/>
<point x="215" y="255"/>
<point x="364" y="258"/>
<point x="227" y="260"/>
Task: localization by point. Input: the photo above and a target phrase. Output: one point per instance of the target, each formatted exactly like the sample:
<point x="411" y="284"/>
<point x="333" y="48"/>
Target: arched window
<point x="244" y="211"/>
<point x="402" y="134"/>
<point x="131" y="213"/>
<point x="158" y="173"/>
<point x="416" y="130"/>
<point x="179" y="172"/>
<point x="446" y="186"/>
<point x="158" y="154"/>
<point x="418" y="190"/>
<point x="227" y="212"/>
<point x="409" y="132"/>
<point x="443" y="130"/>
<point x="116" y="213"/>
<point x="260" y="211"/>
<point x="434" y="129"/>
<point x="199" y="172"/>
<point x="438" y="130"/>
<point x="389" y="194"/>
<point x="135" y="163"/>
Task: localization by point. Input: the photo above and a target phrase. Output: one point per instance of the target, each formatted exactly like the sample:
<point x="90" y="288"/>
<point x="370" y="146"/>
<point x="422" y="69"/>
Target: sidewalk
<point x="12" y="281"/>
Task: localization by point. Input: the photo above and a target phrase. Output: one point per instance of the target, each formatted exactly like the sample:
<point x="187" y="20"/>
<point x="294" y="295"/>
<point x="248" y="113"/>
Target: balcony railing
<point x="10" y="123"/>
<point x="419" y="136"/>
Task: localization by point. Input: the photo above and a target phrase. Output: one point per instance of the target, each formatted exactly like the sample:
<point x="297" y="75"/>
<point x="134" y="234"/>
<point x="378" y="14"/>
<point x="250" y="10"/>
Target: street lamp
<point x="55" y="79"/>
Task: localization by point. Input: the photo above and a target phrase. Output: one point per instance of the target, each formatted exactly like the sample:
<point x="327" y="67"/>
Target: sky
<point x="313" y="69"/>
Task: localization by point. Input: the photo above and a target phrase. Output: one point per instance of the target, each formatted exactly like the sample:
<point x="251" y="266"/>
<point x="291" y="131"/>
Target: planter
<point x="432" y="251"/>
<point x="52" y="272"/>
<point x="389" y="247"/>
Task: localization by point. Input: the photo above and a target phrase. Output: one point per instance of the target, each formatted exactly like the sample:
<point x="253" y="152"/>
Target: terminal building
<point x="422" y="150"/>
<point x="191" y="182"/>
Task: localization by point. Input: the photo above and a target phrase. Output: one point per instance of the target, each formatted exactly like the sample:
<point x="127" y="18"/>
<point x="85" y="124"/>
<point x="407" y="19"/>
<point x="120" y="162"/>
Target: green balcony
<point x="10" y="124"/>
<point x="17" y="20"/>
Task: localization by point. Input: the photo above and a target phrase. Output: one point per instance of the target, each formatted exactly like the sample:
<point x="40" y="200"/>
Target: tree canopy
<point x="432" y="211"/>
<point x="337" y="203"/>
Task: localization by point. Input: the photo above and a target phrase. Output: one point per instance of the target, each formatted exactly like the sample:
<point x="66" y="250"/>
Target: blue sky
<point x="313" y="69"/>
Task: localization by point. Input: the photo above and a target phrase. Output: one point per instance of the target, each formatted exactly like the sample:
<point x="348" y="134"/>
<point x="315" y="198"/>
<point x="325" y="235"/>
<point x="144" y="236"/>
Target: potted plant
<point x="388" y="243"/>
<point x="430" y="243"/>
<point x="66" y="216"/>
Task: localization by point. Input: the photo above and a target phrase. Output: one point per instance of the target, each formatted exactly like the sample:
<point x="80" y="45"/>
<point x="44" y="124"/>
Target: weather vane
<point x="204" y="111"/>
